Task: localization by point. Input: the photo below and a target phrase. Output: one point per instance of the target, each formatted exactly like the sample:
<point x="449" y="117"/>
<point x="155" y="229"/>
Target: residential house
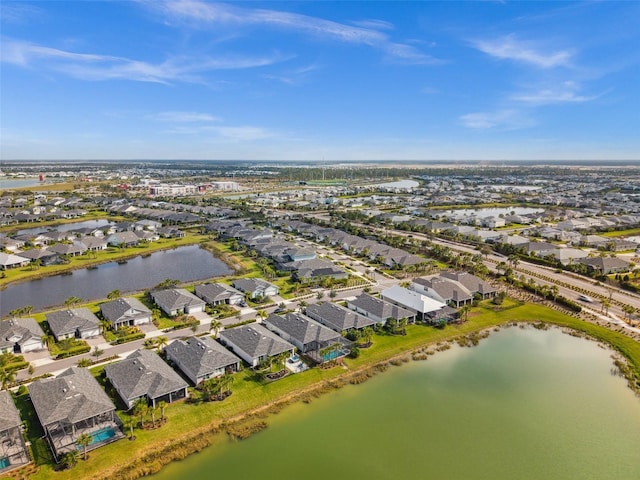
<point x="200" y="358"/>
<point x="13" y="451"/>
<point x="20" y="335"/>
<point x="92" y="244"/>
<point x="379" y="310"/>
<point x="9" y="260"/>
<point x="314" y="271"/>
<point x="176" y="301"/>
<point x="254" y="343"/>
<point x="73" y="323"/>
<point x="255" y="287"/>
<point x="606" y="265"/>
<point x="42" y="255"/>
<point x="71" y="404"/>
<point x="444" y="290"/>
<point x="474" y="284"/>
<point x="143" y="374"/>
<point x="567" y="256"/>
<point x="69" y="249"/>
<point x="337" y="318"/>
<point x="309" y="336"/>
<point x="219" y="293"/>
<point x="125" y="312"/>
<point x="123" y="239"/>
<point x="421" y="304"/>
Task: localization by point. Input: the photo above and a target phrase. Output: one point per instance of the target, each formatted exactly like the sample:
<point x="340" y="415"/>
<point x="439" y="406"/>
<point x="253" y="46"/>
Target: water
<point x="7" y="183"/>
<point x="524" y="404"/>
<point x="103" y="434"/>
<point x="66" y="227"/>
<point x="186" y="264"/>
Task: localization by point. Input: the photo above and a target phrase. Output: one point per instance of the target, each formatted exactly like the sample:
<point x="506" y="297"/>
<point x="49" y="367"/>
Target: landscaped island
<point x="191" y="427"/>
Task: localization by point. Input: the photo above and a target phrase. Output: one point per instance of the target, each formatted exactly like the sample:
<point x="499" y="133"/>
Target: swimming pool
<point x="4" y="462"/>
<point x="103" y="434"/>
<point x="333" y="355"/>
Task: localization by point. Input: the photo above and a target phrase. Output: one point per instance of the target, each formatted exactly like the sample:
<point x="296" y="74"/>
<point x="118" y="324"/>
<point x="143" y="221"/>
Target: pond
<point x="523" y="404"/>
<point x="186" y="264"/>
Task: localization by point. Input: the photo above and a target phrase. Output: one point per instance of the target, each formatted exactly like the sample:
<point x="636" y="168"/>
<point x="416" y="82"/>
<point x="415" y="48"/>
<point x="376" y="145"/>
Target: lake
<point x="524" y="404"/>
<point x="186" y="264"/>
<point x="65" y="227"/>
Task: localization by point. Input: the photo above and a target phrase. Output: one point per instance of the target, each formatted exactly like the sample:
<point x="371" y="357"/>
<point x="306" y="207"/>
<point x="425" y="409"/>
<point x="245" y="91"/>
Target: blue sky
<point x="192" y="79"/>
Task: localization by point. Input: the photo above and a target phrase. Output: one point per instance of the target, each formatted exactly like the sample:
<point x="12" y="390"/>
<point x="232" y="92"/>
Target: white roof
<point x="410" y="299"/>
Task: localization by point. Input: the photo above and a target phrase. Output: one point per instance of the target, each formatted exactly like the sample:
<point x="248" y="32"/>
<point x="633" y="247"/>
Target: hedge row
<point x="79" y="350"/>
<point x="128" y="338"/>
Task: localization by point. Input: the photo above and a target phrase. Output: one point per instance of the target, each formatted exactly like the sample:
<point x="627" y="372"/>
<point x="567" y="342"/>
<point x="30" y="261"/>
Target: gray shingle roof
<point x="175" y="299"/>
<point x="199" y="357"/>
<point x="124" y="309"/>
<point x="9" y="415"/>
<point x="302" y="328"/>
<point x="144" y="373"/>
<point x="336" y="317"/>
<point x="72" y="396"/>
<point x="470" y="282"/>
<point x="215" y="292"/>
<point x="68" y="321"/>
<point x="19" y="330"/>
<point x="447" y="288"/>
<point x="380" y="308"/>
<point x="252" y="285"/>
<point x="256" y="341"/>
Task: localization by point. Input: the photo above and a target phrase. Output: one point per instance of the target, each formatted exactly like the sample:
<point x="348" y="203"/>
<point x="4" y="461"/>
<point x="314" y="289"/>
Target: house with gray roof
<point x="218" y="293"/>
<point x="474" y="284"/>
<point x="200" y="358"/>
<point x="444" y="290"/>
<point x="422" y="305"/>
<point x="254" y="343"/>
<point x="71" y="404"/>
<point x="379" y="310"/>
<point x="125" y="312"/>
<point x="143" y="374"/>
<point x="69" y="249"/>
<point x="43" y="255"/>
<point x="314" y="271"/>
<point x="337" y="318"/>
<point x="13" y="450"/>
<point x="255" y="287"/>
<point x="305" y="333"/>
<point x="176" y="301"/>
<point x="606" y="265"/>
<point x="20" y="335"/>
<point x="123" y="238"/>
<point x="73" y="323"/>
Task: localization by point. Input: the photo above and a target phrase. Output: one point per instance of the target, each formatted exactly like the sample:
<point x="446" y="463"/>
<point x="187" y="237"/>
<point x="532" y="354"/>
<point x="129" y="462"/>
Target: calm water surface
<point x="186" y="264"/>
<point x="524" y="404"/>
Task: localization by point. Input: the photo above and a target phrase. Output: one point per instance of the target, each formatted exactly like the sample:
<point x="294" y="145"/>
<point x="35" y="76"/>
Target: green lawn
<point x="249" y="392"/>
<point x="622" y="233"/>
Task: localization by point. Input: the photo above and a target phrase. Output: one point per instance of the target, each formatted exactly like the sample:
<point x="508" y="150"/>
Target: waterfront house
<point x="255" y="287"/>
<point x="143" y="374"/>
<point x="379" y="310"/>
<point x="127" y="312"/>
<point x="309" y="336"/>
<point x="314" y="271"/>
<point x="20" y="335"/>
<point x="200" y="358"/>
<point x="91" y="243"/>
<point x="176" y="301"/>
<point x="42" y="255"/>
<point x="71" y="404"/>
<point x="254" y="343"/>
<point x="444" y="290"/>
<point x="123" y="239"/>
<point x="68" y="249"/>
<point x="337" y="317"/>
<point x="474" y="284"/>
<point x="218" y="293"/>
<point x="13" y="451"/>
<point x="421" y="304"/>
<point x="9" y="260"/>
<point x="73" y="323"/>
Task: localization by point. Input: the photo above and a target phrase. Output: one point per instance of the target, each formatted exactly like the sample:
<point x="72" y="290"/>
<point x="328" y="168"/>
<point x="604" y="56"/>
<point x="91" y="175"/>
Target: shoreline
<point x="245" y="424"/>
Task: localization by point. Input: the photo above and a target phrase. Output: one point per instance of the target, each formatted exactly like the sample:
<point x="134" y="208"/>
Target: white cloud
<point x="183" y="117"/>
<point x="511" y="48"/>
<point x="365" y="34"/>
<point x="87" y="66"/>
<point x="565" y="93"/>
<point x="374" y="24"/>
<point x="507" y="119"/>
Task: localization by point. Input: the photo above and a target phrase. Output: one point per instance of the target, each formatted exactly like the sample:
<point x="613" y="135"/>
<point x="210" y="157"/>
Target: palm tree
<point x="161" y="342"/>
<point x="47" y="340"/>
<point x="162" y="405"/>
<point x="7" y="377"/>
<point x="215" y="326"/>
<point x="366" y="334"/>
<point x="152" y="411"/>
<point x="72" y="301"/>
<point x="27" y="309"/>
<point x="105" y="326"/>
<point x="113" y="294"/>
<point x="262" y="314"/>
<point x="129" y="423"/>
<point x="140" y="409"/>
<point x="84" y="440"/>
<point x="97" y="352"/>
<point x="70" y="459"/>
<point x="302" y="304"/>
<point x="464" y="312"/>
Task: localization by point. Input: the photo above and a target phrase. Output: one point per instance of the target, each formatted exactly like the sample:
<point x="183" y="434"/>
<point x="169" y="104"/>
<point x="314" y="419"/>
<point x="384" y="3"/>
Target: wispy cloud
<point x="374" y="24"/>
<point x="88" y="66"/>
<point x="19" y="13"/>
<point x="183" y="117"/>
<point x="567" y="92"/>
<point x="295" y="76"/>
<point x="512" y="48"/>
<point x="508" y="119"/>
<point x="367" y="33"/>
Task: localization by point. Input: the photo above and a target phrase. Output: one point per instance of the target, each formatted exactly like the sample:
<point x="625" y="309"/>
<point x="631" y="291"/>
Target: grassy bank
<point x="192" y="427"/>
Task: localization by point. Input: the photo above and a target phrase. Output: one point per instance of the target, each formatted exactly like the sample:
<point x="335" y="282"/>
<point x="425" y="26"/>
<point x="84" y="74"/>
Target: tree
<point x="366" y="334"/>
<point x="84" y="440"/>
<point x="27" y="309"/>
<point x="464" y="312"/>
<point x="302" y="304"/>
<point x="105" y="326"/>
<point x="47" y="340"/>
<point x="72" y="301"/>
<point x="97" y="352"/>
<point x="215" y="326"/>
<point x="152" y="410"/>
<point x="333" y="294"/>
<point x="162" y="342"/>
<point x="162" y="405"/>
<point x="140" y="409"/>
<point x="70" y="459"/>
<point x="113" y="294"/>
<point x="84" y="362"/>
<point x="129" y="422"/>
<point x="7" y="377"/>
<point x="262" y="314"/>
